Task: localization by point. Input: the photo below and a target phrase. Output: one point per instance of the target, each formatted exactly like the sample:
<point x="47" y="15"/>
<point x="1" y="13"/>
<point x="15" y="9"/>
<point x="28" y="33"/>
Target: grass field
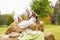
<point x="54" y="29"/>
<point x="2" y="30"/>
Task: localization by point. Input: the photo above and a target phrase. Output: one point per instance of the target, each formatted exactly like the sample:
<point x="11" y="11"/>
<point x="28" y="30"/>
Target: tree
<point x="58" y="16"/>
<point x="9" y="19"/>
<point x="2" y="19"/>
<point x="6" y="19"/>
<point x="41" y="7"/>
<point x="57" y="12"/>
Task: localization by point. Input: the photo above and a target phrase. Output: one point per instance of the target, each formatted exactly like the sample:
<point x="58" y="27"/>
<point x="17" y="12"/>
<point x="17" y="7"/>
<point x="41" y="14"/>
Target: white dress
<point x="26" y="23"/>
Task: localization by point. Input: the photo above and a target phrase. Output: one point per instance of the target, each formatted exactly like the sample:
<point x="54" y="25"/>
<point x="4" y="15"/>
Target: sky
<point x="18" y="6"/>
<point x="53" y="2"/>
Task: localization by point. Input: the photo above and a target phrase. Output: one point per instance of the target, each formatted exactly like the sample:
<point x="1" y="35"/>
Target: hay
<point x="13" y="27"/>
<point x="48" y="36"/>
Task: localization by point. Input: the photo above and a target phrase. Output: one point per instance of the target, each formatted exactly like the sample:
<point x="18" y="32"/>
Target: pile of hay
<point x="14" y="29"/>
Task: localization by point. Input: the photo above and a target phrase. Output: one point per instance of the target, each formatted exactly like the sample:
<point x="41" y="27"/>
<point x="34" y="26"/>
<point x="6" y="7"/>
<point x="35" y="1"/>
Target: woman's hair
<point x="39" y="27"/>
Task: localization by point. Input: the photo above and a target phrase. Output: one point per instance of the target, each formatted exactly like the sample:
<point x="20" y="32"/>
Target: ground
<point x="54" y="29"/>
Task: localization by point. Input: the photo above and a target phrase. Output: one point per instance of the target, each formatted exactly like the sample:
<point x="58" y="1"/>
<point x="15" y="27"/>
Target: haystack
<point x="48" y="36"/>
<point x="13" y="27"/>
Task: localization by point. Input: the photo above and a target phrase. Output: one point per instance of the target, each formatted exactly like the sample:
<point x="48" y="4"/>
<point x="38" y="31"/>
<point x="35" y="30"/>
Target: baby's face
<point x="27" y="10"/>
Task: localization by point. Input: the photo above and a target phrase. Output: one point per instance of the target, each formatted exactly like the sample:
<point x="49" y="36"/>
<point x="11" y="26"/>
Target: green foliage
<point x="57" y="12"/>
<point x="2" y="19"/>
<point x="58" y="17"/>
<point x="41" y="7"/>
<point x="6" y="19"/>
<point x="9" y="19"/>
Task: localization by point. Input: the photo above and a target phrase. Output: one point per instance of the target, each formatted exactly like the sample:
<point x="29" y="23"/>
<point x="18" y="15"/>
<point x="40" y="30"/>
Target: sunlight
<point x="7" y="6"/>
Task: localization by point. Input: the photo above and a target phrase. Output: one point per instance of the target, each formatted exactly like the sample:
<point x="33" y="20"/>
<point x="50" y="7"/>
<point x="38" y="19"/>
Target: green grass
<point x="54" y="29"/>
<point x="2" y="29"/>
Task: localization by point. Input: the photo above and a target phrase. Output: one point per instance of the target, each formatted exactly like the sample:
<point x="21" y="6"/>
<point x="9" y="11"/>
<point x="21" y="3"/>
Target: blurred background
<point x="47" y="11"/>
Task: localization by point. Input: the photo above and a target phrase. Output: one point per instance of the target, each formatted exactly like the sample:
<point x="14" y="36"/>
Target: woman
<point x="29" y="34"/>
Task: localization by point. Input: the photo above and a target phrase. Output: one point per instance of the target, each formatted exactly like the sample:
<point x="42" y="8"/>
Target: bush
<point x="9" y="19"/>
<point x="2" y="19"/>
<point x="6" y="19"/>
<point x="46" y="20"/>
